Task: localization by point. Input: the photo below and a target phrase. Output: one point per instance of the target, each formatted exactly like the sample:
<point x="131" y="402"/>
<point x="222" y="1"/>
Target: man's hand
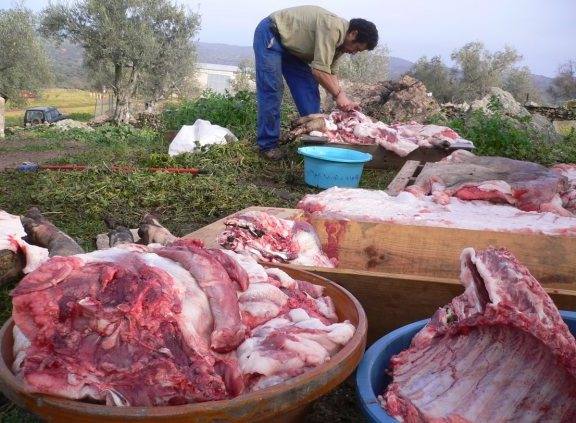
<point x="344" y="103"/>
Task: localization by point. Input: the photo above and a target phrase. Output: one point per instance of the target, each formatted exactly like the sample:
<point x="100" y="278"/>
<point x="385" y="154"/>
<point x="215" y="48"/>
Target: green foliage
<point x="23" y="62"/>
<point x="477" y="70"/>
<point x="495" y="134"/>
<point x="367" y="66"/>
<point x="80" y="116"/>
<point x="437" y="77"/>
<point x="563" y="85"/>
<point x="236" y="112"/>
<point x="127" y="43"/>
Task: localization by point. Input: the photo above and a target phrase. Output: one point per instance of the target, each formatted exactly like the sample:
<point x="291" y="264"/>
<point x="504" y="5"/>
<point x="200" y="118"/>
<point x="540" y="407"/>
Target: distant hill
<point x="67" y="61"/>
<point x="226" y="54"/>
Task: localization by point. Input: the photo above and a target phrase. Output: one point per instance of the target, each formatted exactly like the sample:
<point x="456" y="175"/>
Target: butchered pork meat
<point x="500" y="352"/>
<point x="158" y="325"/>
<point x="12" y="236"/>
<point x="272" y="239"/>
<point x="525" y="185"/>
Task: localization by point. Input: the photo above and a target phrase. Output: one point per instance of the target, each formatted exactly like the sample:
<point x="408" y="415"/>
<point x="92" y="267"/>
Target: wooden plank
<point x="434" y="252"/>
<point x="209" y="234"/>
<point x="403" y="177"/>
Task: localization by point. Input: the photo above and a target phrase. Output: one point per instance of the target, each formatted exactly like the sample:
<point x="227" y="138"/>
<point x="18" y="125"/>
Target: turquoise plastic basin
<point x="326" y="167"/>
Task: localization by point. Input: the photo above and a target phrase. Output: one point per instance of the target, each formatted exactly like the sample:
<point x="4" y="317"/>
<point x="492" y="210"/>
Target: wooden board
<point x="385" y="159"/>
<point x="404" y="177"/>
<point x="435" y="252"/>
<point x="392" y="298"/>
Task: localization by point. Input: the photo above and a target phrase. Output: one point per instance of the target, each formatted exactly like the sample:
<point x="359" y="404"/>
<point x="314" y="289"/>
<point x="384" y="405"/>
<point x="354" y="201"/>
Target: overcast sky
<point x="544" y="32"/>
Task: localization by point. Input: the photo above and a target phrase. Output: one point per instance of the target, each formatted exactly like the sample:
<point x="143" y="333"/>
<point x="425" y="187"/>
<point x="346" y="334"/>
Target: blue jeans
<point x="273" y="61"/>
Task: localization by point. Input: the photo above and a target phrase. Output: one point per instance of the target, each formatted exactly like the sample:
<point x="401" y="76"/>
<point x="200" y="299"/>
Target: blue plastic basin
<point x="371" y="379"/>
<point x="326" y="167"/>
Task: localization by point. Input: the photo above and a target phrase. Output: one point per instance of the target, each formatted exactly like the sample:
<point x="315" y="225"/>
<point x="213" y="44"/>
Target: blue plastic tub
<point x="370" y="376"/>
<point x="326" y="167"/>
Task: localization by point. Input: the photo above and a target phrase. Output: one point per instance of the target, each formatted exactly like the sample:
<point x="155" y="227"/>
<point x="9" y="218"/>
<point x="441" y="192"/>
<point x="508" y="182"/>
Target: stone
<point x="509" y="105"/>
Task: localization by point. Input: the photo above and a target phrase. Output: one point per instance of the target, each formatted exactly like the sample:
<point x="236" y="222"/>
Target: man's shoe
<point x="273" y="154"/>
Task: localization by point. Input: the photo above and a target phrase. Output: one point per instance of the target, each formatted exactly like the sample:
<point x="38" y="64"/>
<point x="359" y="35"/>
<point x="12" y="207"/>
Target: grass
<point x="74" y="103"/>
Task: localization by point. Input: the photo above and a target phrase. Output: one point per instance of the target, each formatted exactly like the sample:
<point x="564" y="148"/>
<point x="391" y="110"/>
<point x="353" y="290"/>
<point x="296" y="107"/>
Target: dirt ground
<point x="11" y="155"/>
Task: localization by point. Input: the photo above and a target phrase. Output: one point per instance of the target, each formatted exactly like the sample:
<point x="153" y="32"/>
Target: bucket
<point x="326" y="167"/>
<point x="371" y="378"/>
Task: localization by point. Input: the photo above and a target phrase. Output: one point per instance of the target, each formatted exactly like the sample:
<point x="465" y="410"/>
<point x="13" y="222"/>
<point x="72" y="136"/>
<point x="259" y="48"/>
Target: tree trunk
<point x="124" y="91"/>
<point x="2" y="102"/>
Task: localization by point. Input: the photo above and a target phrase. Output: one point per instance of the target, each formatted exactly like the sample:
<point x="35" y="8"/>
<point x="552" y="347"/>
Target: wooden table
<point x="403" y="273"/>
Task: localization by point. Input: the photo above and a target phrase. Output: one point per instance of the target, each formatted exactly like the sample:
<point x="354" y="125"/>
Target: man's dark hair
<point x="367" y="32"/>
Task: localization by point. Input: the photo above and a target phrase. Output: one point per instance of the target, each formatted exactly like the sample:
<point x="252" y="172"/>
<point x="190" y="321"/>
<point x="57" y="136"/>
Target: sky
<point x="544" y="32"/>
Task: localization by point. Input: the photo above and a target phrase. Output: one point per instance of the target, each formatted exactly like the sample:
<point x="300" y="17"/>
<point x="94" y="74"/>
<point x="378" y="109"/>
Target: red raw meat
<point x="402" y="138"/>
<point x="229" y="331"/>
<point x="147" y="326"/>
<point x="268" y="238"/>
<point x="498" y="352"/>
<point x="528" y="186"/>
<point x="107" y="331"/>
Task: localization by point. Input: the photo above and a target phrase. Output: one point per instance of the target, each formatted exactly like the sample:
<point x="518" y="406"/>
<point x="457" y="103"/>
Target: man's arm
<point x="331" y="84"/>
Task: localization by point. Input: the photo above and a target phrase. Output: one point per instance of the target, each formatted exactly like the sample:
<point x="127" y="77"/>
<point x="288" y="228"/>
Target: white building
<point x="217" y="78"/>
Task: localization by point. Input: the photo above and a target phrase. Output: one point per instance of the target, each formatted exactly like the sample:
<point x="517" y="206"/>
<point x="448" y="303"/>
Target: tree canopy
<point x="563" y="85"/>
<point x="129" y="45"/>
<point x="23" y="62"/>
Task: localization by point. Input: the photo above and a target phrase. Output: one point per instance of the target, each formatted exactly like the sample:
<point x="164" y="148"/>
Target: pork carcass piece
<point x="144" y="326"/>
<point x="356" y="128"/>
<point x="498" y="352"/>
<point x="569" y="196"/>
<point x="271" y="239"/>
<point x="114" y="328"/>
<point x="11" y="238"/>
<point x="408" y="209"/>
<point x="45" y="234"/>
<point x="528" y="186"/>
<point x="288" y="345"/>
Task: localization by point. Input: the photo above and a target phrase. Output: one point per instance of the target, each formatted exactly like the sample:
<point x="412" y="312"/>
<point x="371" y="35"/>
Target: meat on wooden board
<point x="498" y="352"/>
<point x="354" y="127"/>
<point x="408" y="209"/>
<point x="525" y="185"/>
<point x="271" y="239"/>
<point x="165" y="325"/>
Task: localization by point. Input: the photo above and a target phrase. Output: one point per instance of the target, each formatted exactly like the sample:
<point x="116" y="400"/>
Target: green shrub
<point x="236" y="112"/>
<point x="82" y="117"/>
<point x="13" y="121"/>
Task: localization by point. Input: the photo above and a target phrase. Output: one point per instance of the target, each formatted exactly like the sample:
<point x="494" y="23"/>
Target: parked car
<point x="38" y="115"/>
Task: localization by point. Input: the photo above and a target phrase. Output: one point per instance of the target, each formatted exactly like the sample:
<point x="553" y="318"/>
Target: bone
<point x="305" y="125"/>
<point x="118" y="234"/>
<point x="40" y="231"/>
<point x="152" y="232"/>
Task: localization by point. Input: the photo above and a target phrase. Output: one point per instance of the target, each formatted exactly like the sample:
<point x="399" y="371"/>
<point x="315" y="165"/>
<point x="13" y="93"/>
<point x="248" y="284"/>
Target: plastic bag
<point x="201" y="133"/>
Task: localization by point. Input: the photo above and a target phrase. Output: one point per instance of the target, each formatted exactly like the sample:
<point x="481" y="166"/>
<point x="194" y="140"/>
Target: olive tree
<point x="367" y="66"/>
<point x="439" y="79"/>
<point x="481" y="69"/>
<point x="563" y="86"/>
<point x="131" y="44"/>
<point x="23" y="62"/>
<point x="519" y="83"/>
